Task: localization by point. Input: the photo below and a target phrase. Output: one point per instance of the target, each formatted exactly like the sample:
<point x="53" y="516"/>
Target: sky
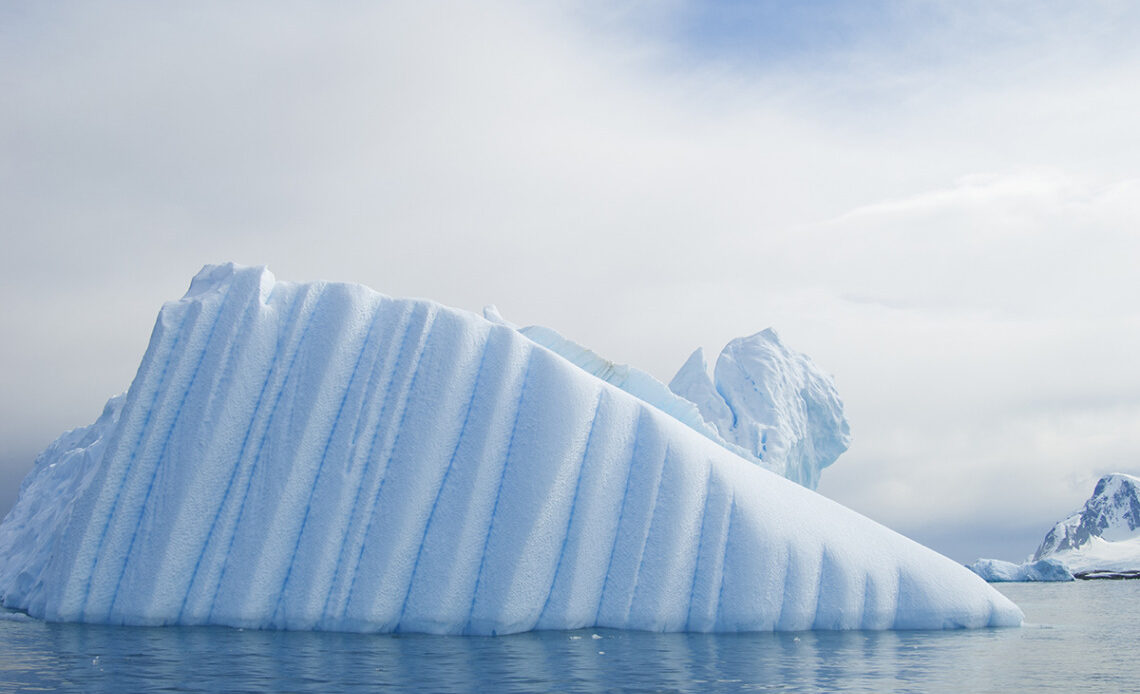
<point x="937" y="201"/>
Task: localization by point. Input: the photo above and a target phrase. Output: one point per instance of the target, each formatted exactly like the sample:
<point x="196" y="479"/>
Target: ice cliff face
<point x="772" y="402"/>
<point x="319" y="456"/>
<point x="33" y="527"/>
<point x="1105" y="533"/>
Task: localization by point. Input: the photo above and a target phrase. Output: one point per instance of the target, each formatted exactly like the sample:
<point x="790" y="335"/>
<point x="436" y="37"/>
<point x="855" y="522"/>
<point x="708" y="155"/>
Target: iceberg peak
<point x="772" y="402"/>
<point x="491" y="313"/>
<point x="217" y="278"/>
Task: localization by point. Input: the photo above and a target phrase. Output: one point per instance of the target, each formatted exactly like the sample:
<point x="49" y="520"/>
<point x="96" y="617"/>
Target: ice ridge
<point x="770" y="405"/>
<point x="320" y="456"/>
<point x="632" y="380"/>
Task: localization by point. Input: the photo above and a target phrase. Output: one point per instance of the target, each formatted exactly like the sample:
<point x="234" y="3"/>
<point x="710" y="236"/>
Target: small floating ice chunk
<point x="998" y="571"/>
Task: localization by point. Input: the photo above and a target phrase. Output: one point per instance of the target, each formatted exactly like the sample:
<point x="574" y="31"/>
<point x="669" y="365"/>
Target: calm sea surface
<point x="1078" y="636"/>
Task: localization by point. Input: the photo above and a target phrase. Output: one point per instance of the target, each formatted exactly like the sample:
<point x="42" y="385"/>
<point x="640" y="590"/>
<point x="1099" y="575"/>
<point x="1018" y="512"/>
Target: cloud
<point x="1027" y="243"/>
<point x="938" y="204"/>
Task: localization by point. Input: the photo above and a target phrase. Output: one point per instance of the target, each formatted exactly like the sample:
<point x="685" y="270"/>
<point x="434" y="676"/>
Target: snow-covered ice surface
<point x="1099" y="554"/>
<point x="772" y="402"/>
<point x="998" y="571"/>
<point x="319" y="456"/>
<point x="1105" y="534"/>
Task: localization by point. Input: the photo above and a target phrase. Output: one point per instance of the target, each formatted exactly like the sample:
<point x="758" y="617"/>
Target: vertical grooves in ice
<point x="440" y="598"/>
<point x="587" y="544"/>
<point x="169" y="355"/>
<point x="292" y="559"/>
<point x="427" y="438"/>
<point x="320" y="550"/>
<point x="157" y="579"/>
<point x="902" y="614"/>
<point x="573" y="502"/>
<point x="644" y="547"/>
<point x="364" y="470"/>
<point x="160" y="457"/>
<point x="358" y="546"/>
<point x="718" y="609"/>
<point x="867" y="615"/>
<point x="304" y="319"/>
<point x="446" y="474"/>
<point x="787" y="615"/>
<point x="691" y="606"/>
<point x="499" y="488"/>
<point x="629" y="469"/>
<point x="237" y="471"/>
<point x="372" y="412"/>
<point x="633" y="530"/>
<point x="534" y="497"/>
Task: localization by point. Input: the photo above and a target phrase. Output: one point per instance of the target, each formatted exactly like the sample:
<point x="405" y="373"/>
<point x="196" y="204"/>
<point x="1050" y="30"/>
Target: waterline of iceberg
<point x="320" y="456"/>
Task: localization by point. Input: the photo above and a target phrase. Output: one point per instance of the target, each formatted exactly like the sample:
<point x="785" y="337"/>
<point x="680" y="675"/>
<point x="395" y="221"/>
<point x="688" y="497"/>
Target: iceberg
<point x="1103" y="537"/>
<point x="771" y="402"/>
<point x="321" y="456"/>
<point x="998" y="571"/>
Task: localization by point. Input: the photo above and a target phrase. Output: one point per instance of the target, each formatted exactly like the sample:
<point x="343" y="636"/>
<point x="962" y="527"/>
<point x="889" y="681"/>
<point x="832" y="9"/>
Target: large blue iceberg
<point x="320" y="456"/>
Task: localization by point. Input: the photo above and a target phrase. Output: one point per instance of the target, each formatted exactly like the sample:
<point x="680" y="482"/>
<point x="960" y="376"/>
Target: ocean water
<point x="1077" y="636"/>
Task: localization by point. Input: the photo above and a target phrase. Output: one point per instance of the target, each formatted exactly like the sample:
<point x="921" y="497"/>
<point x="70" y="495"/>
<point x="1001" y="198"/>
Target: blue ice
<point x="320" y="456"/>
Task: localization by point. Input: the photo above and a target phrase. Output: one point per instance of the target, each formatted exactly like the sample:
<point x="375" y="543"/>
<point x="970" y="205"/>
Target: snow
<point x="320" y="456"/>
<point x="998" y="571"/>
<point x="1098" y="554"/>
<point x="1105" y="534"/>
<point x="772" y="402"/>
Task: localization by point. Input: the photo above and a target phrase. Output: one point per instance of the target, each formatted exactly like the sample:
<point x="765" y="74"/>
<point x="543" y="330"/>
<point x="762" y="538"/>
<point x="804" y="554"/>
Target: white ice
<point x="998" y="571"/>
<point x="772" y="402"/>
<point x="319" y="456"/>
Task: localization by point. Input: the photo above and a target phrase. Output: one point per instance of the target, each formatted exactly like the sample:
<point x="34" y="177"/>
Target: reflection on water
<point x="1065" y="641"/>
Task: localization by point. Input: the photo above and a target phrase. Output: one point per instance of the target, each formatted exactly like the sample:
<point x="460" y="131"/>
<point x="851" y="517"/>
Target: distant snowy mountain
<point x="1105" y="534"/>
<point x="771" y="401"/>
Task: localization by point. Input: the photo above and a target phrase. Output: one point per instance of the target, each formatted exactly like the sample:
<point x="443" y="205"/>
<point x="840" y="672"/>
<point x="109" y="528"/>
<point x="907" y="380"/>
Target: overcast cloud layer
<point x="936" y="201"/>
